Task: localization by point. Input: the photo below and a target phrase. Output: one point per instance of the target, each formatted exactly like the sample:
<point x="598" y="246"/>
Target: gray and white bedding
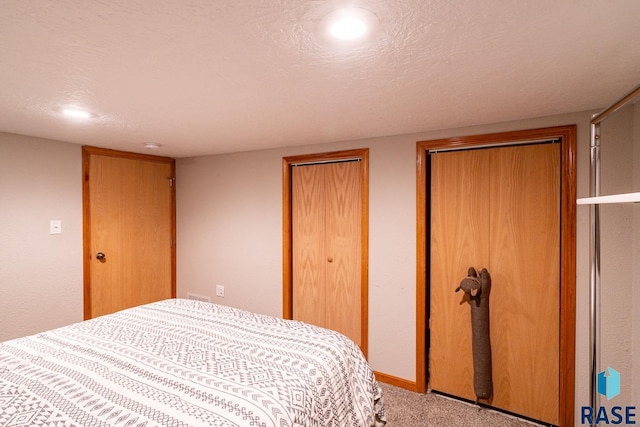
<point x="187" y="363"/>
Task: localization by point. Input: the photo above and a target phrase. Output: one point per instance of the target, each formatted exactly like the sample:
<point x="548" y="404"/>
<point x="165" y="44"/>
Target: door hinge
<point x="171" y="243"/>
<point x="171" y="182"/>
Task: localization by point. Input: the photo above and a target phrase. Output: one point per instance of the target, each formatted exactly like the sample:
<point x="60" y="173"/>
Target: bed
<point x="181" y="362"/>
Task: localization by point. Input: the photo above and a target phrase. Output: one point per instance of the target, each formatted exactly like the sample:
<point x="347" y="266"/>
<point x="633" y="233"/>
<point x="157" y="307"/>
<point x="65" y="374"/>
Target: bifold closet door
<point x="459" y="240"/>
<point x="498" y="208"/>
<point x="326" y="234"/>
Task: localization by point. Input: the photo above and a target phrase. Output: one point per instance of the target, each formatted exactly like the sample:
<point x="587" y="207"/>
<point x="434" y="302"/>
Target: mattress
<point x="180" y="362"/>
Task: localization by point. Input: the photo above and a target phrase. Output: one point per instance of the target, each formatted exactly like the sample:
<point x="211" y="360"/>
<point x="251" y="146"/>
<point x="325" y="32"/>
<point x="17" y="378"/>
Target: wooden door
<point x="459" y="240"/>
<point x="326" y="237"/>
<point x="525" y="267"/>
<point x="129" y="204"/>
<point x="501" y="206"/>
<point x="309" y="262"/>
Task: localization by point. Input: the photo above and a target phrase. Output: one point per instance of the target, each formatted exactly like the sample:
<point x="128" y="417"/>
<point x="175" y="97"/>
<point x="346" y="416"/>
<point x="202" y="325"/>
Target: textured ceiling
<point x="213" y="76"/>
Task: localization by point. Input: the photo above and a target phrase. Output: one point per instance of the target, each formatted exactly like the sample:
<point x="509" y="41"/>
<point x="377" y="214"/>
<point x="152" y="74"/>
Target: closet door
<point x="498" y="208"/>
<point x="459" y="239"/>
<point x="343" y="244"/>
<point x="326" y="234"/>
<point x="525" y="269"/>
<point x="309" y="262"/>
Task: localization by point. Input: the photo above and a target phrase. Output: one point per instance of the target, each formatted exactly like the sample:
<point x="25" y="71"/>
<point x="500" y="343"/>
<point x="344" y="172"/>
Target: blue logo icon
<point x="609" y="385"/>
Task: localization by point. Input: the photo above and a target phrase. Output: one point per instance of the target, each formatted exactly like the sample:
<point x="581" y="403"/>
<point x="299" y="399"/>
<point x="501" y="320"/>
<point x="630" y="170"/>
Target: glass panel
<point x="619" y="330"/>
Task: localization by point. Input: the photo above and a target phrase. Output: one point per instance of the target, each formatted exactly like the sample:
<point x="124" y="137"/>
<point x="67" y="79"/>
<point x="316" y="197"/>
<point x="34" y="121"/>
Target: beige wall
<point x="230" y="232"/>
<point x="40" y="273"/>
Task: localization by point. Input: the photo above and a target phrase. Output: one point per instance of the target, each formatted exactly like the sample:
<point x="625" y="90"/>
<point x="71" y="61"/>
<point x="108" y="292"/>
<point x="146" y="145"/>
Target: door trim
<point x="87" y="152"/>
<point x="287" y="239"/>
<point x="567" y="137"/>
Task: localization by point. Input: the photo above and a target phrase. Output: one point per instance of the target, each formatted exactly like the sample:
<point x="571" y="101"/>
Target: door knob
<point x="101" y="257"/>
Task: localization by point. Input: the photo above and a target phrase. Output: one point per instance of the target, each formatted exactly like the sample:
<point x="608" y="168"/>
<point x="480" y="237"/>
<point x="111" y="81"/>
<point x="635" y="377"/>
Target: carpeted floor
<point x="408" y="409"/>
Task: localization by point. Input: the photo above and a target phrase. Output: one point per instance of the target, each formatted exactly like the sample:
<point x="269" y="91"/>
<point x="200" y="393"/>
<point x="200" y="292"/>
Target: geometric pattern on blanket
<point x="181" y="362"/>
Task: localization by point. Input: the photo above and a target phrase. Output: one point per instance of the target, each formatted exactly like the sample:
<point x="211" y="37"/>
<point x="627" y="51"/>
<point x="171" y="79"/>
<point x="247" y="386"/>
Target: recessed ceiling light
<point x="348" y="28"/>
<point x="350" y="24"/>
<point x="76" y="113"/>
<point x="152" y="145"/>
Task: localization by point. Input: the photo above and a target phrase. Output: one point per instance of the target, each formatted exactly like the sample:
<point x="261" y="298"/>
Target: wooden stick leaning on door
<point x="478" y="289"/>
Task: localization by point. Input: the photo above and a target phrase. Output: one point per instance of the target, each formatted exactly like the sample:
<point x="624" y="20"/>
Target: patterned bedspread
<point x="187" y="363"/>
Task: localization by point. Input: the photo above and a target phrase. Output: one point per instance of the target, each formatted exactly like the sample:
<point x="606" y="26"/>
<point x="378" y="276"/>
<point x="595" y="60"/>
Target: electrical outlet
<point x="220" y="291"/>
